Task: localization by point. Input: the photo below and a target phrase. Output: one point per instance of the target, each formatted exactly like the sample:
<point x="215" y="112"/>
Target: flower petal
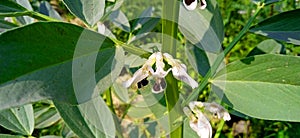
<point x="203" y="4"/>
<point x="143" y="72"/>
<point x="151" y="59"/>
<point x="202" y="126"/>
<point x="160" y="72"/>
<point x="190" y="4"/>
<point x="138" y="76"/>
<point x="180" y="74"/>
<point x="218" y="110"/>
<point x="159" y="85"/>
<point x="171" y="61"/>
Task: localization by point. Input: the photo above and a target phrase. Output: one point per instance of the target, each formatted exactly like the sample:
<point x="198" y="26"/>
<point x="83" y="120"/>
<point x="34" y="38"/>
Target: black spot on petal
<point x="188" y="2"/>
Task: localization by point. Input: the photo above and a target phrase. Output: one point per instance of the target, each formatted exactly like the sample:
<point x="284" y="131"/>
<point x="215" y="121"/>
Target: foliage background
<point x="235" y="14"/>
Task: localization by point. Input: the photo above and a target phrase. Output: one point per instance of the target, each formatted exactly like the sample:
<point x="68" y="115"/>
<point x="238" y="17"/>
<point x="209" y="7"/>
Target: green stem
<point x="221" y="57"/>
<point x="170" y="13"/>
<point x="132" y="49"/>
<point x="109" y="100"/>
<point x="32" y="14"/>
<point x="219" y="130"/>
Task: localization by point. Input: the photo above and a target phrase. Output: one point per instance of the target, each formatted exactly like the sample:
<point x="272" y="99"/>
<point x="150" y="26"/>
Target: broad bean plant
<point x="137" y="68"/>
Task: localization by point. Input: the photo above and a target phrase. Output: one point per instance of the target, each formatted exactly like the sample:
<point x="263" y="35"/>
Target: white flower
<point x="142" y="73"/>
<point x="217" y="110"/>
<point x="199" y="122"/>
<point x="192" y="4"/>
<point x="179" y="71"/>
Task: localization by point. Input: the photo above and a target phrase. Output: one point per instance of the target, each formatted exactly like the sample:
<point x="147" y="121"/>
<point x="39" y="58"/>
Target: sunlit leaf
<point x="120" y="20"/>
<point x="91" y="119"/>
<point x="198" y="59"/>
<point x="25" y="19"/>
<point x="269" y="46"/>
<point x="142" y="18"/>
<point x="45" y="116"/>
<point x="51" y="136"/>
<point x="10" y="136"/>
<point x="90" y="11"/>
<point x="52" y="65"/>
<point x="6" y="25"/>
<point x="18" y="119"/>
<point x="67" y="132"/>
<point x="264" y="86"/>
<point x="203" y="28"/>
<point x="284" y="26"/>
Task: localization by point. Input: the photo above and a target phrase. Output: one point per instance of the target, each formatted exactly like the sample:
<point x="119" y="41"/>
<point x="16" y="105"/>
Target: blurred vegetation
<point x="235" y="14"/>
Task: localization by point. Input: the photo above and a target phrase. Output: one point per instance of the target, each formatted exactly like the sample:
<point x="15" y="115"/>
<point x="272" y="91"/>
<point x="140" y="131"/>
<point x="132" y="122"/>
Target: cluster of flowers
<point x="178" y="70"/>
<point x="199" y="121"/>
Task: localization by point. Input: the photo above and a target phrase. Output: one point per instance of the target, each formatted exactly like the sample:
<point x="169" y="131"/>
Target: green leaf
<point x="10" y="136"/>
<point x="269" y="46"/>
<point x="145" y="28"/>
<point x="51" y="136"/>
<point x="92" y="119"/>
<point x="67" y="132"/>
<point x="6" y="25"/>
<point x="45" y="117"/>
<point x="284" y="26"/>
<point x="142" y="19"/>
<point x="198" y="59"/>
<point x="25" y="19"/>
<point x="51" y="58"/>
<point x="121" y="92"/>
<point x="18" y="119"/>
<point x="203" y="28"/>
<point x="89" y="11"/>
<point x="120" y="20"/>
<point x="264" y="86"/>
<point x="46" y="9"/>
<point x="9" y="6"/>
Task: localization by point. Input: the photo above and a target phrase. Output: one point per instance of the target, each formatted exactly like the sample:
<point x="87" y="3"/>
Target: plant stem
<point x="219" y="130"/>
<point x="170" y="13"/>
<point x="109" y="100"/>
<point x="132" y="49"/>
<point x="32" y="14"/>
<point x="221" y="57"/>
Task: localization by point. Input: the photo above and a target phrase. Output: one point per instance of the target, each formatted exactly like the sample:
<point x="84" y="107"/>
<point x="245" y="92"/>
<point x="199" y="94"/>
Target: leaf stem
<point x="32" y="14"/>
<point x="221" y="57"/>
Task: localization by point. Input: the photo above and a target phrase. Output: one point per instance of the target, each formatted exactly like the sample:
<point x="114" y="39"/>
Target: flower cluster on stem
<point x="178" y="69"/>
